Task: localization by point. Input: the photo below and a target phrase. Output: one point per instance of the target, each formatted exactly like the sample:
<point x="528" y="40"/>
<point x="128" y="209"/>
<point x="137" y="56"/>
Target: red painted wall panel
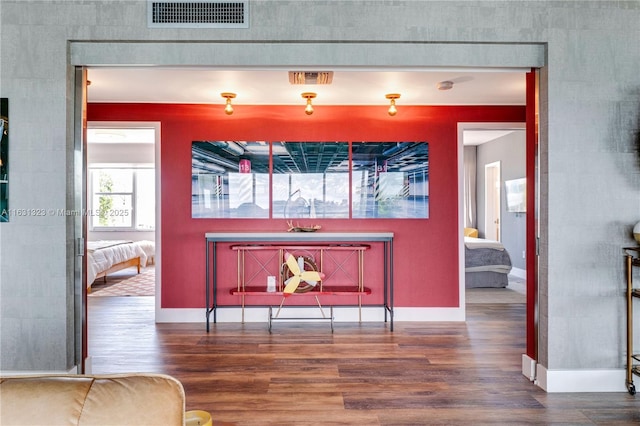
<point x="426" y="251"/>
<point x="532" y="213"/>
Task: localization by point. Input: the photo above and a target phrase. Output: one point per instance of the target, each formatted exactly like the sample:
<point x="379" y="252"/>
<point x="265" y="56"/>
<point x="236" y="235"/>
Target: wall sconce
<point x="392" y="107"/>
<point x="308" y="96"/>
<point x="228" y="109"/>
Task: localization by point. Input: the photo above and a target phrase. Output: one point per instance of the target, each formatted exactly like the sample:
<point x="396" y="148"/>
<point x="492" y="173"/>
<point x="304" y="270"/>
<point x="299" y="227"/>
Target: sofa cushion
<point x="138" y="399"/>
<point x="31" y="400"/>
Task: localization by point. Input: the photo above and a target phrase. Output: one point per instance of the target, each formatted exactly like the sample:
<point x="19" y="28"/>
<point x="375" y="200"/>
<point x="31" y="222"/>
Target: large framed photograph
<point x="230" y="179"/>
<point x="390" y="180"/>
<point x="309" y="180"/>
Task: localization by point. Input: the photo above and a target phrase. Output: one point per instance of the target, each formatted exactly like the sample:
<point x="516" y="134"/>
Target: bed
<point x="487" y="263"/>
<point x="108" y="256"/>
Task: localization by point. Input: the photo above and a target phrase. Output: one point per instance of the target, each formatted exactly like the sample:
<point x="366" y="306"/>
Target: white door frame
<point x="87" y="367"/>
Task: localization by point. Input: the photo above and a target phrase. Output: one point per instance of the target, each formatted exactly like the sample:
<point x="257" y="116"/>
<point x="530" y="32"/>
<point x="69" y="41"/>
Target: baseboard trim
<point x="529" y="367"/>
<point x="341" y="314"/>
<point x="561" y="381"/>
<point x="520" y="273"/>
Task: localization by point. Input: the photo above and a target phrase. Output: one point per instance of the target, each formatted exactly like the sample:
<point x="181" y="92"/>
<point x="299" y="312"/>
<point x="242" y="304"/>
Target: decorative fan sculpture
<point x="298" y="279"/>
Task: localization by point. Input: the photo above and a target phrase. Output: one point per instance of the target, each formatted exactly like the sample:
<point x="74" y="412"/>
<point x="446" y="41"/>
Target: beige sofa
<point x="124" y="399"/>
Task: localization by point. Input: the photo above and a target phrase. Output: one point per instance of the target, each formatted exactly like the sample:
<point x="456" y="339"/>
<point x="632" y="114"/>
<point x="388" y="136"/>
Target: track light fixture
<point x="228" y="109"/>
<point x="392" y="107"/>
<point x="308" y="96"/>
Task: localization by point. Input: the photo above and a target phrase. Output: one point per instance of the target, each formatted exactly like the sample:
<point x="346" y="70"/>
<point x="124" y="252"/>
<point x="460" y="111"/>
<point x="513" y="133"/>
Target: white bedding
<point x="476" y="243"/>
<point x="502" y="269"/>
<point x="102" y="255"/>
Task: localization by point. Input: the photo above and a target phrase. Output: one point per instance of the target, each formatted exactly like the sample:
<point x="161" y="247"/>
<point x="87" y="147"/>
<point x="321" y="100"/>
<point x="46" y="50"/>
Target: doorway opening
<point x="491" y="157"/>
<point x="122" y="215"/>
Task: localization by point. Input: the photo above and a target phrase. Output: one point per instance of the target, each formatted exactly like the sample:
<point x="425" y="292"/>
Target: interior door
<point x="80" y="221"/>
<point x="492" y="201"/>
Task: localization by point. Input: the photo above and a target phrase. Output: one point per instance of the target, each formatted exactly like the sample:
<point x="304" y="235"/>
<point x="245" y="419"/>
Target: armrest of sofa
<point x="124" y="399"/>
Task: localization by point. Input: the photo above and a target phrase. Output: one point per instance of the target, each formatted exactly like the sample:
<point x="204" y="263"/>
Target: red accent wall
<point x="426" y="251"/>
<point x="532" y="219"/>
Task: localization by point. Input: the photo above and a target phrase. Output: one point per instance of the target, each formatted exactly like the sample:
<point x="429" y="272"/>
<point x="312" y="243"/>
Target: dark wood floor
<point x="302" y="374"/>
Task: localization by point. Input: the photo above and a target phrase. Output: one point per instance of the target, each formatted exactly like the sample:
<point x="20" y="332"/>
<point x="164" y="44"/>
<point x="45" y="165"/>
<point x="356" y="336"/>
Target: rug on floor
<point x="142" y="284"/>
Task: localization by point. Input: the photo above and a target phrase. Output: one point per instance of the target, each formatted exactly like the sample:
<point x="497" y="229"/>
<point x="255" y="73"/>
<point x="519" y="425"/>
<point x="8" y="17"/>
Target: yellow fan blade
<point x="310" y="276"/>
<point x="294" y="282"/>
<point x="292" y="263"/>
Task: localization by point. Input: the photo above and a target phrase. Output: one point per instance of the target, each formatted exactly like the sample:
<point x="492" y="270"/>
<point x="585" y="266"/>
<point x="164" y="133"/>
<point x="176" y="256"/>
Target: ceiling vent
<point x="198" y="14"/>
<point x="310" y="77"/>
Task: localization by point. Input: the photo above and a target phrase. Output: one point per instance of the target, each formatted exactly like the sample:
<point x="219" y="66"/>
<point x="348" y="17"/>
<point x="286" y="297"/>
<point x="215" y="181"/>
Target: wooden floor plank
<point x="362" y="374"/>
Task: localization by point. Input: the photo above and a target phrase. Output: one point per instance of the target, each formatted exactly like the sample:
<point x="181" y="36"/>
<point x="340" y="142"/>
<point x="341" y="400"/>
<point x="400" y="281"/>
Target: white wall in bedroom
<point x="119" y="155"/>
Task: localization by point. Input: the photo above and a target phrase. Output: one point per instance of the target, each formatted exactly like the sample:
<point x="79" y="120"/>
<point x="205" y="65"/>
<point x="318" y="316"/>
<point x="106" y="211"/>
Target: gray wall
<point x="510" y="151"/>
<point x="589" y="121"/>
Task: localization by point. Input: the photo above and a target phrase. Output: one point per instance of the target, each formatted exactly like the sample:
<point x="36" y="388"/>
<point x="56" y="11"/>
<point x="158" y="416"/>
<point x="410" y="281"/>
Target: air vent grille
<point x="194" y="14"/>
<point x="310" y="77"/>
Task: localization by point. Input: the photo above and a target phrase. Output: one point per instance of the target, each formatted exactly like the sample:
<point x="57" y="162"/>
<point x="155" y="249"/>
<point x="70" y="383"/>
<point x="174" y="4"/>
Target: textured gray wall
<point x="590" y="171"/>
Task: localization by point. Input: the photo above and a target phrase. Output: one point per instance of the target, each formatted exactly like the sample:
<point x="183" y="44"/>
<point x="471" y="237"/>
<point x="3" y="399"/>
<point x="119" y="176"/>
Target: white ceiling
<point x="271" y="87"/>
<point x="478" y="137"/>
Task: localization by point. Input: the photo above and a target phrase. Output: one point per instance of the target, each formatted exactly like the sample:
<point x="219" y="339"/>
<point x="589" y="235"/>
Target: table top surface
<point x="297" y="236"/>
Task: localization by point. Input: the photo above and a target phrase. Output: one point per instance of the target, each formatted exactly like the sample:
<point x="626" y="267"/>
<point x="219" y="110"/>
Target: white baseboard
<point x="180" y="315"/>
<point x="341" y="314"/>
<point x="528" y="367"/>
<point x="558" y="381"/>
<point x="520" y="273"/>
<point x="429" y="314"/>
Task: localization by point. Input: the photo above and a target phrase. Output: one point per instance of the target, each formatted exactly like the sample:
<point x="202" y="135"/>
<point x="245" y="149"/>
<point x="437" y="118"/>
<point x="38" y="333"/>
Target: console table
<point x="294" y="239"/>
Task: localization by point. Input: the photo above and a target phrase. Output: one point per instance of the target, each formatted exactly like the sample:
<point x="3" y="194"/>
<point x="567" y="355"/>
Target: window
<point x="122" y="199"/>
